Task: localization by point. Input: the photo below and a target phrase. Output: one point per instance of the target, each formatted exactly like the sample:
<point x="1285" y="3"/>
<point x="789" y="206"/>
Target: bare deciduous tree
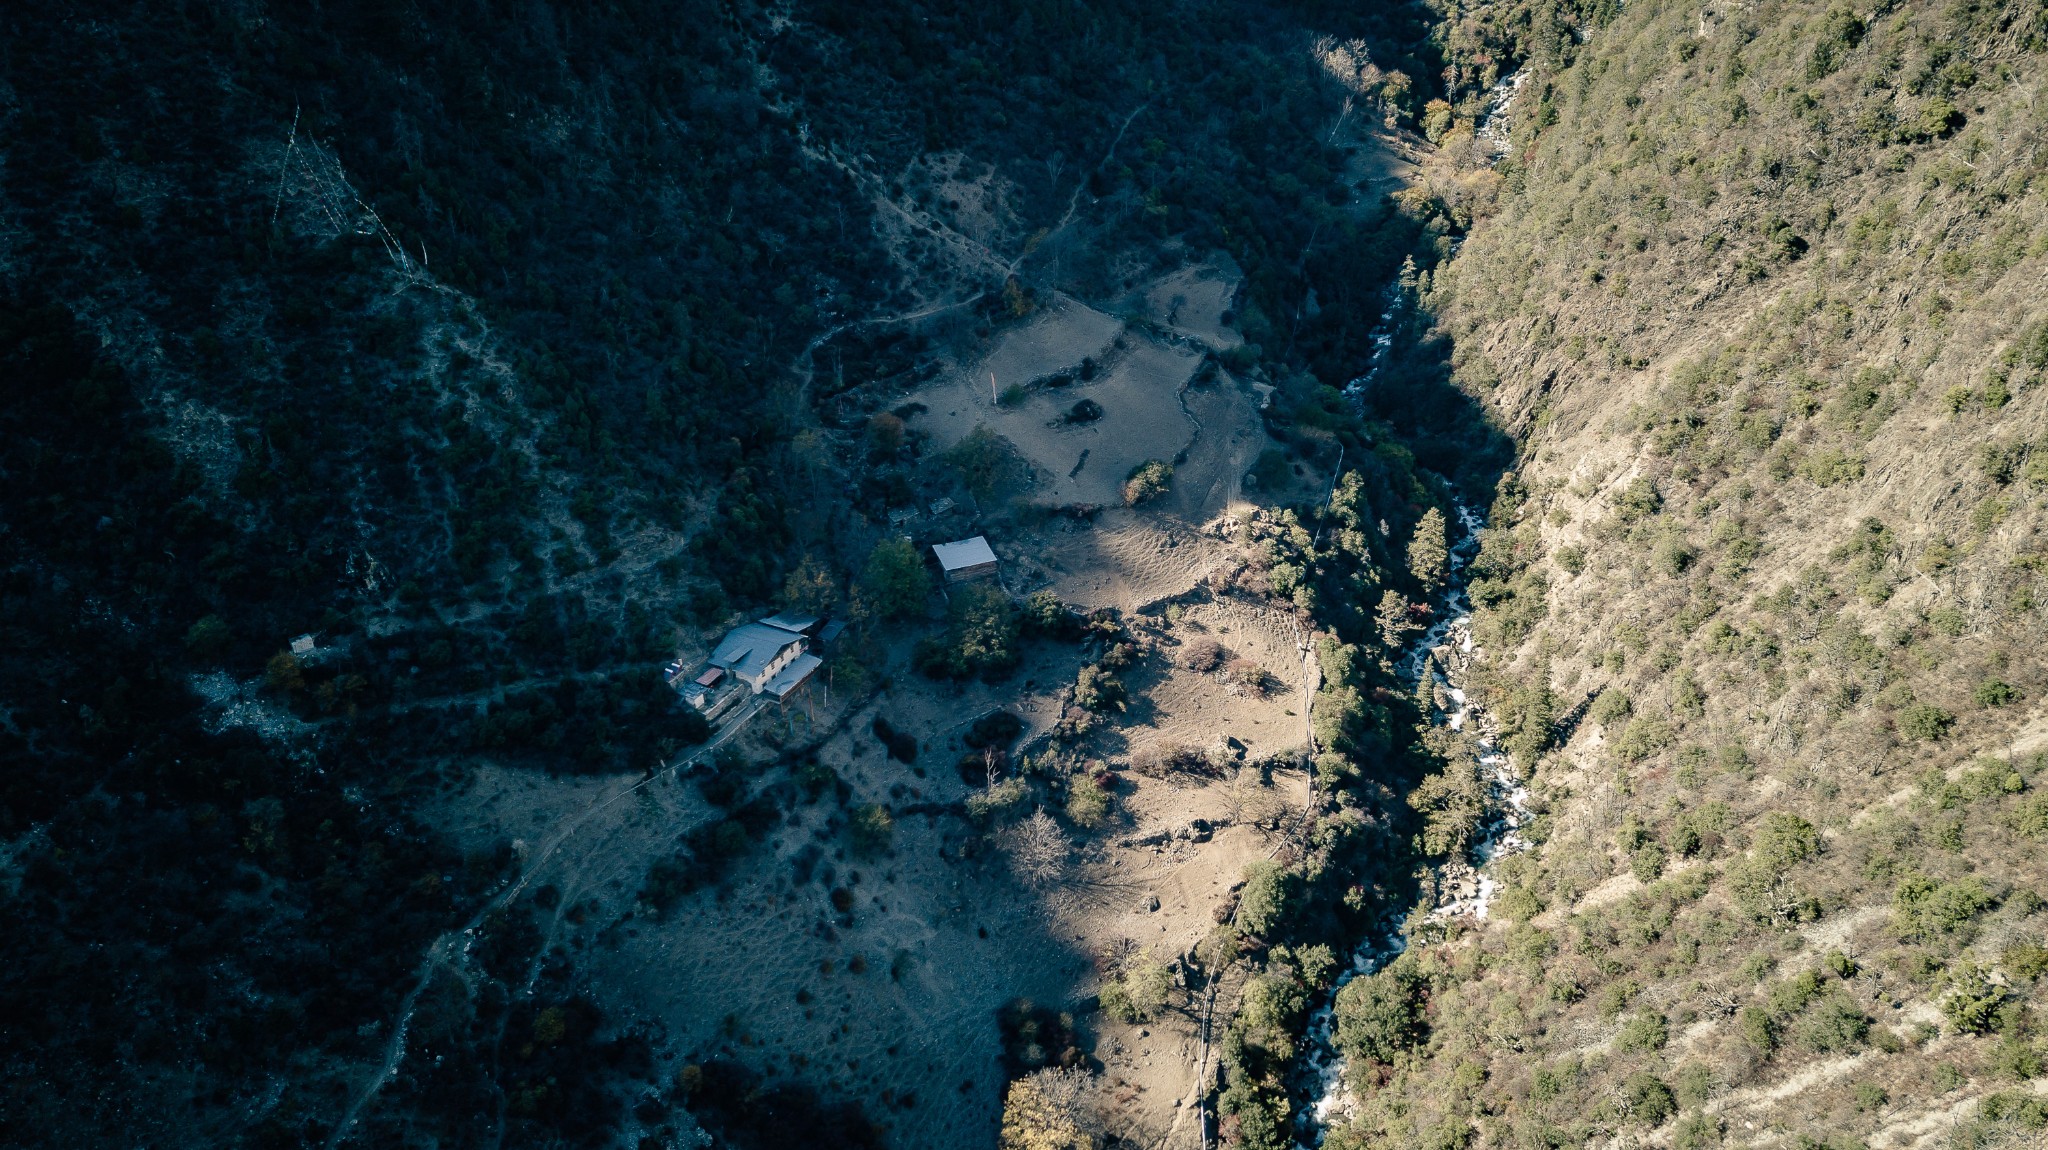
<point x="1038" y="849"/>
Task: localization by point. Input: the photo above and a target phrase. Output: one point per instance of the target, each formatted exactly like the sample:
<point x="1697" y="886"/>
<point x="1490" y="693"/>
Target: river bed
<point x="1445" y="653"/>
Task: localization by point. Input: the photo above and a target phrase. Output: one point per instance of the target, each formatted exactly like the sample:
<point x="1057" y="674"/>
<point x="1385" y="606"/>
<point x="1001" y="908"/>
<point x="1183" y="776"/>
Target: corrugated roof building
<point x="756" y="652"/>
<point x="966" y="559"/>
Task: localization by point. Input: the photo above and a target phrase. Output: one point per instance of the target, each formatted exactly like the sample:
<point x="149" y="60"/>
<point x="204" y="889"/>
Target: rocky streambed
<point x="1443" y="655"/>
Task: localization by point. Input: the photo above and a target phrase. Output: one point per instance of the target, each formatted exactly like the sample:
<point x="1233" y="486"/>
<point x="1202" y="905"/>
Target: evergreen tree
<point x="1394" y="622"/>
<point x="1429" y="552"/>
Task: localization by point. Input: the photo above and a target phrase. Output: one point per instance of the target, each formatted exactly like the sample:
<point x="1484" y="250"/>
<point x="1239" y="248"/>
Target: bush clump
<point x="1147" y="481"/>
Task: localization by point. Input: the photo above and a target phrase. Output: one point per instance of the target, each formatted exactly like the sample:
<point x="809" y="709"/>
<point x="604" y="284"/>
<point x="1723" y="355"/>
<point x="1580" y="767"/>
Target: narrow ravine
<point x="1445" y="653"/>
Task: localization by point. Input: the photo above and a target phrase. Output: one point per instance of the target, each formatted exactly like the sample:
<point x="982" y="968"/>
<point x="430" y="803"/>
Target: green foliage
<point x="1923" y="908"/>
<point x="1832" y="1024"/>
<point x="209" y="638"/>
<point x="986" y="462"/>
<point x="1696" y="1131"/>
<point x="1140" y="989"/>
<point x="1643" y="736"/>
<point x="810" y="588"/>
<point x="998" y="801"/>
<point x="1757" y="1029"/>
<point x="983" y="630"/>
<point x="1611" y="707"/>
<point x="1645" y="1032"/>
<point x="896" y="580"/>
<point x="1994" y="693"/>
<point x="1147" y="481"/>
<point x="872" y="829"/>
<point x="1268" y="890"/>
<point x="1647" y="1100"/>
<point x="1087" y="801"/>
<point x="1451" y="803"/>
<point x="1924" y="722"/>
<point x="1096" y="689"/>
<point x="1429" y="551"/>
<point x="1639" y="500"/>
<point x="1378" y="1016"/>
<point x="1840" y="32"/>
<point x="1972" y="1002"/>
<point x="1528" y="716"/>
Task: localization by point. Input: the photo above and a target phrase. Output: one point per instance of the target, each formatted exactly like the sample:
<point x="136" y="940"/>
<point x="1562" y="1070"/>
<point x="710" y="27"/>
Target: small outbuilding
<point x="795" y="622"/>
<point x="966" y="559"/>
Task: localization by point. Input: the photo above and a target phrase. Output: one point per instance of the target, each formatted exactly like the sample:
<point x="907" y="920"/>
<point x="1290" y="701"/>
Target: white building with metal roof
<point x="966" y="559"/>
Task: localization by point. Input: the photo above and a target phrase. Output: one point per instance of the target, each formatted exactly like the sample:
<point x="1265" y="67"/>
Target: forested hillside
<point x="488" y="346"/>
<point x="1758" y="291"/>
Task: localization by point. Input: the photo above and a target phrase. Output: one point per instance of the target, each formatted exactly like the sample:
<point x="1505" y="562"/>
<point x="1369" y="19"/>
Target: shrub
<point x="1673" y="556"/>
<point x="1780" y="842"/>
<point x="1043" y="614"/>
<point x="1648" y="1031"/>
<point x="1757" y="1029"/>
<point x="1695" y="1084"/>
<point x="1696" y="1131"/>
<point x="1148" y="480"/>
<point x="1097" y="690"/>
<point x="1140" y="989"/>
<point x="1202" y="655"/>
<point x="1268" y="888"/>
<point x="1639" y="500"/>
<point x="1611" y="707"/>
<point x="1923" y="908"/>
<point x="1994" y="693"/>
<point x="1924" y="722"/>
<point x="1642" y="738"/>
<point x="872" y="830"/>
<point x="2025" y="960"/>
<point x="1647" y="1100"/>
<point x="1832" y="1025"/>
<point x="209" y="637"/>
<point x="1784" y="839"/>
<point x="981" y="637"/>
<point x="1973" y="1000"/>
<point x="1087" y="802"/>
<point x="885" y="436"/>
<point x="986" y="462"/>
<point x="997" y="801"/>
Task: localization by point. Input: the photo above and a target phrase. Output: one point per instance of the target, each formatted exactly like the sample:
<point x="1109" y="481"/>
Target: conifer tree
<point x="1429" y="553"/>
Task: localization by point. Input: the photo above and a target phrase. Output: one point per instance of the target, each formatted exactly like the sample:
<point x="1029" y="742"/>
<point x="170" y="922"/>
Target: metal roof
<point x="748" y="649"/>
<point x="791" y="677"/>
<point x="966" y="553"/>
<point x="792" y="621"/>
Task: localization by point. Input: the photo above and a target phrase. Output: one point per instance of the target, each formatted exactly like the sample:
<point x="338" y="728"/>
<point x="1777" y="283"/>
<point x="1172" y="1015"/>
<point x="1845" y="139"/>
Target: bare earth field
<point x="892" y="1001"/>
